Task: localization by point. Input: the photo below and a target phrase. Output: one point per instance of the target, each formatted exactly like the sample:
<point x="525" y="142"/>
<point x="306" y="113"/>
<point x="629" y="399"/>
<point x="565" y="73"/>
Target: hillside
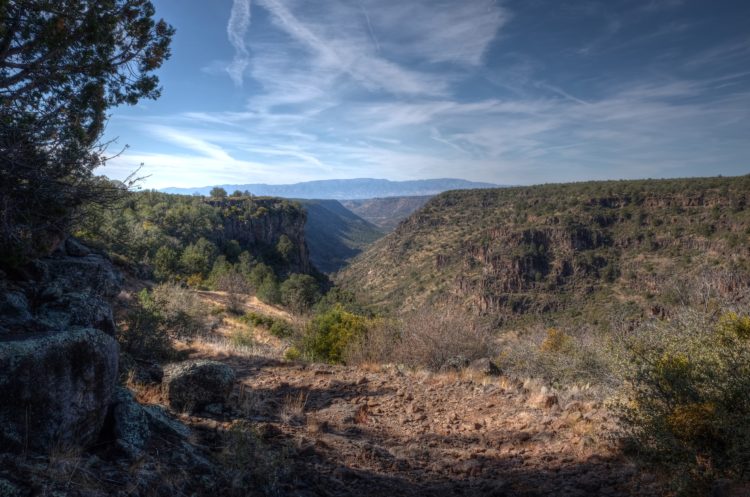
<point x="179" y="237"/>
<point x="387" y="212"/>
<point x="334" y="234"/>
<point x="587" y="250"/>
<point x="358" y="188"/>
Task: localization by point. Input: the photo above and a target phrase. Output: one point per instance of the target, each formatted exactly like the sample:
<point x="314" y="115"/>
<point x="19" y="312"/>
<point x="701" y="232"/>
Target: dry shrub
<point x="429" y="338"/>
<point x="182" y="312"/>
<point x="237" y="287"/>
<point x="378" y="345"/>
<point x="561" y="357"/>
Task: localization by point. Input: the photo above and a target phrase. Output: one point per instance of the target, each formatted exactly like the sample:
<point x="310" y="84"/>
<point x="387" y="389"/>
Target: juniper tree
<point x="63" y="64"/>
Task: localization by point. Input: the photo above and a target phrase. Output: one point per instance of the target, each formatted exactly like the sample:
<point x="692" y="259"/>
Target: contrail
<point x="369" y="27"/>
<point x="239" y="22"/>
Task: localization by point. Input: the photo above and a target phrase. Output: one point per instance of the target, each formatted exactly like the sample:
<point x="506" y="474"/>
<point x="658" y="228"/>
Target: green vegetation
<point x="61" y="70"/>
<point x="279" y="328"/>
<point x="687" y="407"/>
<point x="330" y="333"/>
<point x="235" y="244"/>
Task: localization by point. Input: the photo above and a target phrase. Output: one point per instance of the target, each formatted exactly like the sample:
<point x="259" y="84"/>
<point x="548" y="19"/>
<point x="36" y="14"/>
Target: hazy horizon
<point x="508" y="92"/>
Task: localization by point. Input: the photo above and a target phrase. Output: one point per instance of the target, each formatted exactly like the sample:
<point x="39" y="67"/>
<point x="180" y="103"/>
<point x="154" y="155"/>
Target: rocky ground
<point x="386" y="431"/>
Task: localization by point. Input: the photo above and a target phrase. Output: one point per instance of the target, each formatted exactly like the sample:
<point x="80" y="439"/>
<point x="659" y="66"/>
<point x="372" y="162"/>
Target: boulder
<point x="130" y="425"/>
<point x="192" y="385"/>
<point x="55" y="387"/>
<point x="484" y="366"/>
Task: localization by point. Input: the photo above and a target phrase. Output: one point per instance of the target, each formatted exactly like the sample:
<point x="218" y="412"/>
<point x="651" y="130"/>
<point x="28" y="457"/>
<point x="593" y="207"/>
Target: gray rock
<point x="484" y="366"/>
<point x="191" y="385"/>
<point x="130" y="424"/>
<point x="14" y="309"/>
<point x="84" y="309"/>
<point x="160" y="422"/>
<point x="74" y="248"/>
<point x="56" y="388"/>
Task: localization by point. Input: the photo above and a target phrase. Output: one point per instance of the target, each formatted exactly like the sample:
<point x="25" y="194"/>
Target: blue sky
<point x="511" y="92"/>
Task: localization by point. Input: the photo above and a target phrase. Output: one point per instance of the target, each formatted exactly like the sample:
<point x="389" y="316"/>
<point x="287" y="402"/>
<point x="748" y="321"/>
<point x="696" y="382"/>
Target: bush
<point x="277" y="327"/>
<point x="561" y="358"/>
<point x="141" y="333"/>
<point x="242" y="337"/>
<point x="431" y="337"/>
<point x="329" y="334"/>
<point x="268" y="291"/>
<point x="180" y="312"/>
<point x="687" y="405"/>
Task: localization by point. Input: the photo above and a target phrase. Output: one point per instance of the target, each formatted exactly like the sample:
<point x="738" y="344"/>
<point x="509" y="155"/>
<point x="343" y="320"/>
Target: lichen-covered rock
<point x="55" y="388"/>
<point x="70" y="288"/>
<point x="130" y="425"/>
<point x="191" y="385"/>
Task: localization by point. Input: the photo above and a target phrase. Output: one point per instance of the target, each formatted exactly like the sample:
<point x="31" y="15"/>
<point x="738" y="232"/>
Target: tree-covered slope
<point x="577" y="249"/>
<point x="334" y="234"/>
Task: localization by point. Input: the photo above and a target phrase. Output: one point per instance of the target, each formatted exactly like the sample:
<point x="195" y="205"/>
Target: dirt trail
<point x="385" y="431"/>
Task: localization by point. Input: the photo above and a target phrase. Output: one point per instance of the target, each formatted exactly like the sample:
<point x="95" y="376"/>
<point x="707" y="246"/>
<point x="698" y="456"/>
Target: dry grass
<point x="292" y="410"/>
<point x="143" y="393"/>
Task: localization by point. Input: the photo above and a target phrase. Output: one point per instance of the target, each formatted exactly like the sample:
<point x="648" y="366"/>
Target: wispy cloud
<point x="239" y="22"/>
<point x="425" y="88"/>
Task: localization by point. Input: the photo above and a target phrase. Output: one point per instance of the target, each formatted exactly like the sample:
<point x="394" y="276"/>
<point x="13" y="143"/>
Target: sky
<point x="509" y="92"/>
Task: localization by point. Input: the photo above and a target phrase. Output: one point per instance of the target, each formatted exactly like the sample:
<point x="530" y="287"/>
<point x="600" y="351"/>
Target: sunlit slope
<point x="579" y="248"/>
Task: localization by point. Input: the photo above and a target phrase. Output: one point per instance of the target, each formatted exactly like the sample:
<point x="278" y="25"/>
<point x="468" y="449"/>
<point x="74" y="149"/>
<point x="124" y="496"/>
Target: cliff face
<point x="515" y="251"/>
<point x="261" y="224"/>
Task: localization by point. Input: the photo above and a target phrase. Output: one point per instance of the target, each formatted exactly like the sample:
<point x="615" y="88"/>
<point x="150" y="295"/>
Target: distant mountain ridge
<point x="345" y="189"/>
<point x="386" y="213"/>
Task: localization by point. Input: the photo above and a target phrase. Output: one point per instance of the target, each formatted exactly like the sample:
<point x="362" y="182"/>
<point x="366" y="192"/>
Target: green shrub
<point x="687" y="406"/>
<point x="328" y="334"/>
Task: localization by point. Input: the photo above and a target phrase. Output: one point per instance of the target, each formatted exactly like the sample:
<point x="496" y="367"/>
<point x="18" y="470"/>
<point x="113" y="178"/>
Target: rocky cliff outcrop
<point x="261" y="223"/>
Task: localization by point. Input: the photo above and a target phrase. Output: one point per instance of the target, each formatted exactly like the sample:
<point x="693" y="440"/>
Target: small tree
<point x="218" y="192"/>
<point x="300" y="292"/>
<point x="198" y="258"/>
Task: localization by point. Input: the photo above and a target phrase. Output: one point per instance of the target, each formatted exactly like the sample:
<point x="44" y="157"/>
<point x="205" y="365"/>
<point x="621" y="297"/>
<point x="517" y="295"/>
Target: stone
<point x="8" y="489"/>
<point x="130" y="425"/>
<point x="192" y="385"/>
<point x="74" y="248"/>
<point x="55" y="387"/>
<point x="14" y="309"/>
<point x="484" y="366"/>
<point x="160" y="423"/>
